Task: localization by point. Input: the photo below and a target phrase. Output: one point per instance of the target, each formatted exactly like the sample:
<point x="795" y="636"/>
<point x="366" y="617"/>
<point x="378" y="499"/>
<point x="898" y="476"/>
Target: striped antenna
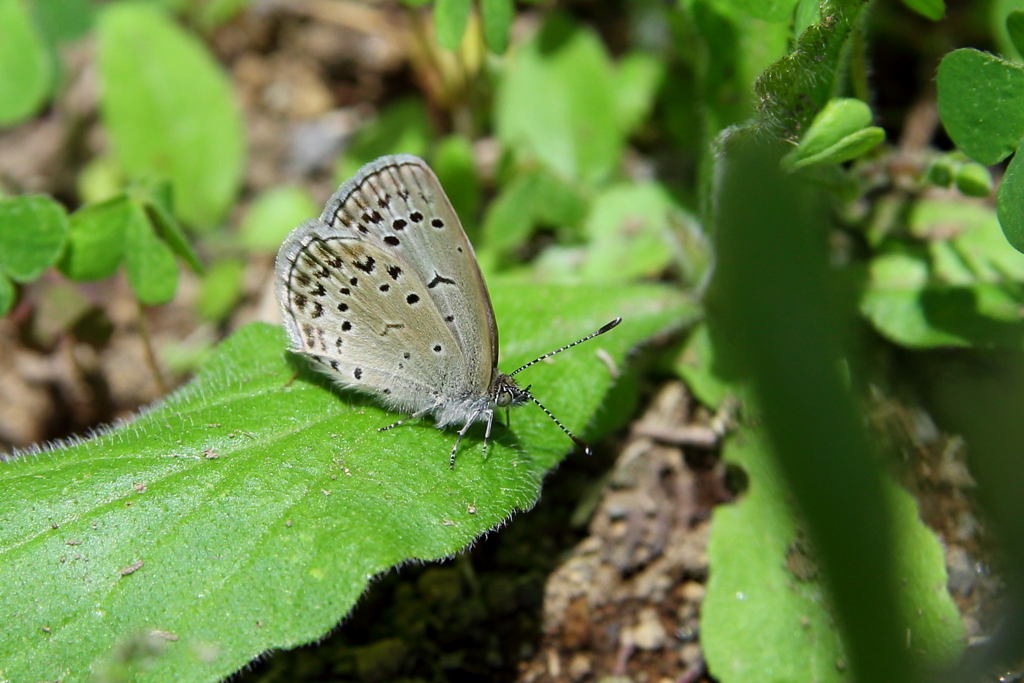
<point x="601" y="331"/>
<point x="578" y="441"/>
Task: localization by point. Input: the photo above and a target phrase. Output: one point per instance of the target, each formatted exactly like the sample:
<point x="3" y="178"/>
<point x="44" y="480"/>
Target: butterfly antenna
<point x="578" y="441"/>
<point x="601" y="331"/>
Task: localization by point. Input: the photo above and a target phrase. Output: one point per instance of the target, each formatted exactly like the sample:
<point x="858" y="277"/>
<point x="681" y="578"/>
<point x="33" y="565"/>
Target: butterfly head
<point x="508" y="394"/>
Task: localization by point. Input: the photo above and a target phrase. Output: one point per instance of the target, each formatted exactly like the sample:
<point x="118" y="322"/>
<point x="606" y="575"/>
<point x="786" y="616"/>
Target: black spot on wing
<point x="439" y="279"/>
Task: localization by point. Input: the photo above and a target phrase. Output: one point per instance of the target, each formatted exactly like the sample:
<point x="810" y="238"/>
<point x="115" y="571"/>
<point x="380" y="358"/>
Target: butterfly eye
<point x="504" y="399"/>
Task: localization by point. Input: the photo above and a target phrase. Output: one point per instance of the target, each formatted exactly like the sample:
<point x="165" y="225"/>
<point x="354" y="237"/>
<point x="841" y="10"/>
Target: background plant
<point x="586" y="151"/>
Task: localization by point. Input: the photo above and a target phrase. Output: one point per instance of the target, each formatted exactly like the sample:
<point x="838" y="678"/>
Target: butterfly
<point x="383" y="293"/>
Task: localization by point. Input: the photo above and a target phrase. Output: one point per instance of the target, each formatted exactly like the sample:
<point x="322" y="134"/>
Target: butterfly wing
<point x="385" y="293"/>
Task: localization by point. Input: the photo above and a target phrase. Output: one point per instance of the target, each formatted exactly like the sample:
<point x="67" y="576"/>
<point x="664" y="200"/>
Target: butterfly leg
<point x="462" y="433"/>
<point x="418" y="413"/>
<point x="487" y="433"/>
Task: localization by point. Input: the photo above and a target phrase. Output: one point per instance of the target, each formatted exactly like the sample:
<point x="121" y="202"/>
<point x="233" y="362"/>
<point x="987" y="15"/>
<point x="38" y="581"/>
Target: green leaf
<point x="401" y="128"/>
<point x="26" y="67"/>
<point x="96" y="239"/>
<point x="841" y="117"/>
<point x="220" y="290"/>
<point x="152" y="270"/>
<point x="696" y="366"/>
<point x="1010" y="202"/>
<point x="941" y="171"/>
<point x="33" y="230"/>
<point x="981" y="103"/>
<point x="907" y="309"/>
<point x="7" y="295"/>
<point x="929" y="9"/>
<point x="753" y="597"/>
<point x="999" y="13"/>
<point x="808" y="13"/>
<point x="169" y="110"/>
<point x="450" y="19"/>
<point x="273" y="214"/>
<point x="1015" y="30"/>
<point x="557" y="104"/>
<point x="974" y="180"/>
<point x="978" y="241"/>
<point x="260" y="504"/>
<point x="214" y="13"/>
<point x="99" y="180"/>
<point x="948" y="265"/>
<point x="737" y="49"/>
<point x="779" y="322"/>
<point x="157" y="204"/>
<point x="628" y="231"/>
<point x="456" y="169"/>
<point x="765" y="587"/>
<point x="847" y="149"/>
<point x="532" y="198"/>
<point x="497" y="17"/>
<point x="636" y="83"/>
<point x="510" y="218"/>
<point x="64" y="20"/>
<point x="793" y="89"/>
<point x="766" y="10"/>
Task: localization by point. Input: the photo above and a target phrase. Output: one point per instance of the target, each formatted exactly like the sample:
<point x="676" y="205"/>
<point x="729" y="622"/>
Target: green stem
<point x="147" y="344"/>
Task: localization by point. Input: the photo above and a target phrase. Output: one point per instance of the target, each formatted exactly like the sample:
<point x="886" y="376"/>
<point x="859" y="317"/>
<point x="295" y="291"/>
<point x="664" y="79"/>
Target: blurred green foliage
<point x="155" y="76"/>
<point x="273" y="214"/>
<point x="564" y="104"/>
<point x="402" y="127"/>
<point x="221" y="289"/>
<point x="33" y="230"/>
<point x="26" y="66"/>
